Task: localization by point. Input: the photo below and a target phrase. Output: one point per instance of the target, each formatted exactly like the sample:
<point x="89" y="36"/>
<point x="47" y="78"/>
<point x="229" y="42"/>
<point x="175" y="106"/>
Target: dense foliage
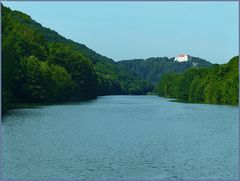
<point x="152" y="69"/>
<point x="218" y="84"/>
<point x="39" y="65"/>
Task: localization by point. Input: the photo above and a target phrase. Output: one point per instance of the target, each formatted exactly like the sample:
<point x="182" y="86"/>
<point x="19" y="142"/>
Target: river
<point x="121" y="137"/>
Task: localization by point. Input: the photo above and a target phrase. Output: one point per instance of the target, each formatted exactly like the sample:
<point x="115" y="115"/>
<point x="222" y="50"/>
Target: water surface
<point x="121" y="137"/>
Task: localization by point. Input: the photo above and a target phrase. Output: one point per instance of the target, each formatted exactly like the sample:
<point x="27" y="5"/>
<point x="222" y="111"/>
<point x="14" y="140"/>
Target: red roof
<point x="181" y="55"/>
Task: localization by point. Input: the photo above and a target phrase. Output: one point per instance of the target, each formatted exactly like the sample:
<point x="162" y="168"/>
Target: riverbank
<point x="191" y="102"/>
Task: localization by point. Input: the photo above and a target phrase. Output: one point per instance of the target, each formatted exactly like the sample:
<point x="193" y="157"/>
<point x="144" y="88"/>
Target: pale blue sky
<point x="127" y="30"/>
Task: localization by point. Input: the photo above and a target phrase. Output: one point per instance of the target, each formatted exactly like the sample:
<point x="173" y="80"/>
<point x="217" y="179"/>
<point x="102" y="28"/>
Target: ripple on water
<point x="121" y="137"/>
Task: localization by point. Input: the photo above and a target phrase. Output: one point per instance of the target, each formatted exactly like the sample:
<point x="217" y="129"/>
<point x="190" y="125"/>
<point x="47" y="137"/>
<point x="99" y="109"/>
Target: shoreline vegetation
<point x="218" y="84"/>
<point x="39" y="66"/>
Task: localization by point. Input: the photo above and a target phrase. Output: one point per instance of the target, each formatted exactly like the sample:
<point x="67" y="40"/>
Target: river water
<point x="121" y="137"/>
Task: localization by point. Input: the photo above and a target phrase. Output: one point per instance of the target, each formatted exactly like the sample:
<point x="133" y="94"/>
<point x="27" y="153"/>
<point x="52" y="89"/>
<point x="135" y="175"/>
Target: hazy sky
<point x="127" y="30"/>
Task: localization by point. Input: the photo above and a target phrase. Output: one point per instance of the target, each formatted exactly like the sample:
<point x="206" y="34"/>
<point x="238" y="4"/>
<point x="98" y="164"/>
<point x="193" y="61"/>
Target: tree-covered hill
<point x="39" y="65"/>
<point x="218" y="84"/>
<point x="152" y="69"/>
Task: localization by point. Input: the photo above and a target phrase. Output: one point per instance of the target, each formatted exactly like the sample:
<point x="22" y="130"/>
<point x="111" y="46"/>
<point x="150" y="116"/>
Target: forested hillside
<point x="152" y="69"/>
<point x="218" y="84"/>
<point x="39" y="65"/>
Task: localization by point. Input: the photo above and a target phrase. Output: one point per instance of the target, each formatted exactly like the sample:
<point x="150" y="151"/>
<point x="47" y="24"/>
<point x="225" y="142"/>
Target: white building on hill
<point x="181" y="58"/>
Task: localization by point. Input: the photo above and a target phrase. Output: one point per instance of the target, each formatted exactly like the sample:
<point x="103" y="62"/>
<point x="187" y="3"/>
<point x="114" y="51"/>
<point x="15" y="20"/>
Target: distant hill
<point x="152" y="69"/>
